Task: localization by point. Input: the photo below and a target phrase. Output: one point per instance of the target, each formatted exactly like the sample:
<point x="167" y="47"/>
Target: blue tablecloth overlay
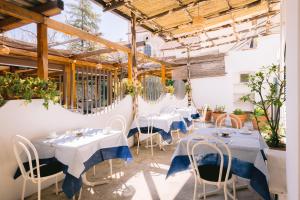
<point x="258" y="180"/>
<point x="71" y="185"/>
<point x="195" y="116"/>
<point x="166" y="136"/>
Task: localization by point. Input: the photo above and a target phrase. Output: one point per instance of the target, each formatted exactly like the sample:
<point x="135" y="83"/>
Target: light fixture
<point x="99" y="66"/>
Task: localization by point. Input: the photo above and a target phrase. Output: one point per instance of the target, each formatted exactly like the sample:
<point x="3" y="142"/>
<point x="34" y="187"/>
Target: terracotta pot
<point x="215" y="115"/>
<point x="208" y="115"/>
<point x="243" y="118"/>
<point x="262" y="121"/>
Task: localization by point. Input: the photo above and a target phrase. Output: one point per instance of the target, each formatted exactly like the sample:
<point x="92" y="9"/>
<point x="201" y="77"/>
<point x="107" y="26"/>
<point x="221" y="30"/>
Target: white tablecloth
<point x="244" y="147"/>
<point x="162" y="121"/>
<point x="74" y="151"/>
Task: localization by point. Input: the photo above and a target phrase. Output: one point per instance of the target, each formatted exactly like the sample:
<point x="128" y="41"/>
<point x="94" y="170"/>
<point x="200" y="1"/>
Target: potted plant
<point x="259" y="120"/>
<point x="219" y="110"/>
<point x="170" y="86"/>
<point x="130" y="88"/>
<point x="13" y="87"/>
<point x="268" y="85"/>
<point x="208" y="113"/>
<point x="239" y="114"/>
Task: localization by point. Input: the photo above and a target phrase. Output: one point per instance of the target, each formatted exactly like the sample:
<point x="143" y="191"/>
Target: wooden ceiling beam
<point x="112" y="5"/>
<point x="25" y="14"/>
<point x="198" y="45"/>
<point x="272" y="13"/>
<point x="183" y="7"/>
<point x="220" y="15"/>
<point x="103" y="51"/>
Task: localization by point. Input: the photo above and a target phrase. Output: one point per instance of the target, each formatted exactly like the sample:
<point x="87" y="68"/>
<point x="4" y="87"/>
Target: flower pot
<point x="215" y="115"/>
<point x="242" y="118"/>
<point x="262" y="121"/>
<point x="208" y="115"/>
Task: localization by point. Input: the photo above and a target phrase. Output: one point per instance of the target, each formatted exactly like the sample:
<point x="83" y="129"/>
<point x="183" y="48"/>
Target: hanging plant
<point x="13" y="87"/>
<point x="131" y="89"/>
<point x="170" y="89"/>
<point x="188" y="88"/>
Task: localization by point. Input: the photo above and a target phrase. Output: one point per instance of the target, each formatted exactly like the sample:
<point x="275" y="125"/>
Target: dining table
<point x="247" y="149"/>
<point x="163" y="123"/>
<point x="79" y="150"/>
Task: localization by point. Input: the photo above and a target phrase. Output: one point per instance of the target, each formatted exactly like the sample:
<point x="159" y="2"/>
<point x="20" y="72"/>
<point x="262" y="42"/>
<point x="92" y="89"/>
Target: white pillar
<point x="293" y="97"/>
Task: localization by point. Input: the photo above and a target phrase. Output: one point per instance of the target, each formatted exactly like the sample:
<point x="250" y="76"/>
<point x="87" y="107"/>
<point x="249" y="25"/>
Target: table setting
<point x="248" y="157"/>
<point x="163" y="123"/>
<point x="78" y="150"/>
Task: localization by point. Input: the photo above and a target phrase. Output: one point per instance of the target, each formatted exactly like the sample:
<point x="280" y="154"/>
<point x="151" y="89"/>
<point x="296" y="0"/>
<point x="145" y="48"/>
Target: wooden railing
<point x="90" y="90"/>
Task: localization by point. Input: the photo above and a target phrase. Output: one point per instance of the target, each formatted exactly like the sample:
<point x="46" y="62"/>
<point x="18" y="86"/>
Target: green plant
<point x="258" y="112"/>
<point x="238" y="111"/>
<point x="269" y="86"/>
<point x="131" y="88"/>
<point x="14" y="87"/>
<point x="219" y="109"/>
<point x="170" y="89"/>
<point x="170" y="82"/>
<point x="188" y="88"/>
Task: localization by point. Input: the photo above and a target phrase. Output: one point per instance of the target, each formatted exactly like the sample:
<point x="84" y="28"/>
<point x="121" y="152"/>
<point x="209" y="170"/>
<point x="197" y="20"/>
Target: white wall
<point x="293" y="97"/>
<point x="225" y="90"/>
<point x="32" y="121"/>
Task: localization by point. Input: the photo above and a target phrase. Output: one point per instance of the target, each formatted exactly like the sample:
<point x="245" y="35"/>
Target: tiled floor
<point x="142" y="179"/>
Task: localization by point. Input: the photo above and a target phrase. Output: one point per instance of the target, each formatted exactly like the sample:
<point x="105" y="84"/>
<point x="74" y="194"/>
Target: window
<point x="244" y="78"/>
<point x="147" y="50"/>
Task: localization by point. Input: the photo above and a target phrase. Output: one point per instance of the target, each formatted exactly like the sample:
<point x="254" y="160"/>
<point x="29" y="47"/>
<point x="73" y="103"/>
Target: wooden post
<point x="129" y="67"/>
<point x="134" y="64"/>
<point x="42" y="51"/>
<point x="73" y="84"/>
<point x="163" y="75"/>
<point x="133" y="45"/>
<point x="188" y="65"/>
<point x="67" y="85"/>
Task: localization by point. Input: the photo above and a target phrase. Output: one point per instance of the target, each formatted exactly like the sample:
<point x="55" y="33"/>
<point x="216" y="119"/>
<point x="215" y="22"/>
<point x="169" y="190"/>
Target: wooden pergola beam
<point x="49" y="9"/>
<point x="222" y="37"/>
<point x="183" y="7"/>
<point x="58" y="59"/>
<point x="254" y="5"/>
<point x="25" y="14"/>
<point x="103" y="51"/>
<point x="257" y="17"/>
<point x="114" y="5"/>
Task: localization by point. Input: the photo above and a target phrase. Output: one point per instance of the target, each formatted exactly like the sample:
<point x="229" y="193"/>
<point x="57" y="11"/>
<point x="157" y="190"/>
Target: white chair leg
<point x="94" y="170"/>
<point x="39" y="190"/>
<point x="79" y="197"/>
<point x="151" y="142"/>
<point x="195" y="190"/>
<point x="138" y="146"/>
<point x="234" y="188"/>
<point x="56" y="185"/>
<point x="110" y="167"/>
<point x="23" y="190"/>
<point x="204" y="191"/>
<point x="225" y="192"/>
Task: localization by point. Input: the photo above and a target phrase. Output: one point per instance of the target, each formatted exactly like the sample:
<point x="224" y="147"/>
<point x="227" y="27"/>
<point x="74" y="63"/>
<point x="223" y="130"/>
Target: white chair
<point x="115" y="122"/>
<point x="276" y="163"/>
<point x="24" y="150"/>
<point x="202" y="116"/>
<point x="220" y="121"/>
<point x="148" y="135"/>
<point x="218" y="176"/>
